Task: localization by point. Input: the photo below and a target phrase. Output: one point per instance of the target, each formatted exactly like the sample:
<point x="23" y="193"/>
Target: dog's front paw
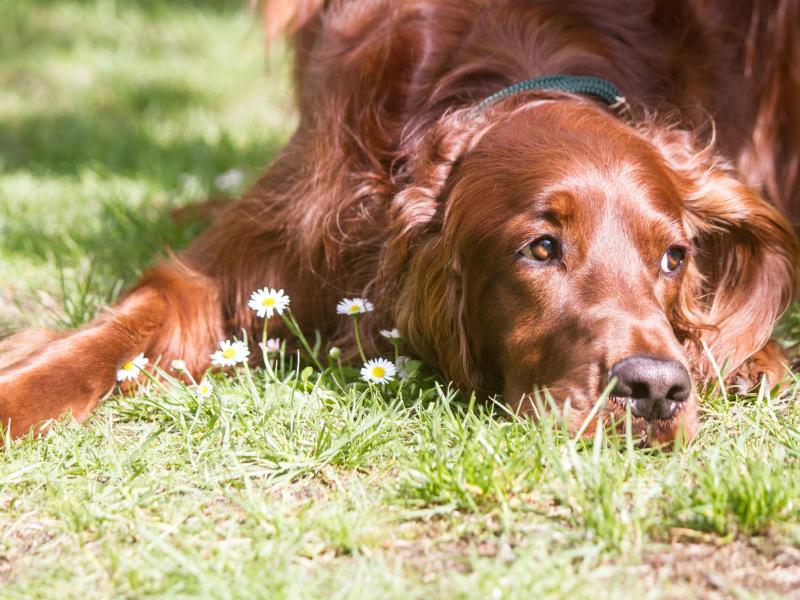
<point x="39" y="385"/>
<point x="771" y="362"/>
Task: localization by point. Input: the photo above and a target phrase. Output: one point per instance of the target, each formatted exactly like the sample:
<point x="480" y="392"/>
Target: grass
<point x="111" y="115"/>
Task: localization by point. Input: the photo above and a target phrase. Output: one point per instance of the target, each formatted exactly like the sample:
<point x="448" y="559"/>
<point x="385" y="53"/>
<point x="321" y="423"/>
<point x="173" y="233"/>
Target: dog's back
<point x="736" y="64"/>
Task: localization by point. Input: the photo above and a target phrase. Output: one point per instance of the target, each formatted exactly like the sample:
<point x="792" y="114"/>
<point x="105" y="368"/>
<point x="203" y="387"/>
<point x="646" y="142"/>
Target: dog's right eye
<point x="672" y="260"/>
<point x="542" y="249"/>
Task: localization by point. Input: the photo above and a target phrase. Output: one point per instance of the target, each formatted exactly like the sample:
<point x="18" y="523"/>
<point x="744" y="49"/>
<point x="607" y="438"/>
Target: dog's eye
<point x="673" y="259"/>
<point x="542" y="249"/>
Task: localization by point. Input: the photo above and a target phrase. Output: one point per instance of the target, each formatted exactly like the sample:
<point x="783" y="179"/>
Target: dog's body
<point x="542" y="241"/>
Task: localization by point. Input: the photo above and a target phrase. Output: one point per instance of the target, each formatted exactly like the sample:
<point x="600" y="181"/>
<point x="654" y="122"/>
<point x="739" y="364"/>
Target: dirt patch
<point x="704" y="567"/>
<point x="707" y="570"/>
<point x="22" y="540"/>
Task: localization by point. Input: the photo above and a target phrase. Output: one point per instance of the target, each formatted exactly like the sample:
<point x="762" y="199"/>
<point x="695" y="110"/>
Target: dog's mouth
<point x="653" y="430"/>
<point x="616" y="416"/>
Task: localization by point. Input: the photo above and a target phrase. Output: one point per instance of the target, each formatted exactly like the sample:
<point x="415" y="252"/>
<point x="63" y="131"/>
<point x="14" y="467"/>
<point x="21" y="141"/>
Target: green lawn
<point x="114" y="113"/>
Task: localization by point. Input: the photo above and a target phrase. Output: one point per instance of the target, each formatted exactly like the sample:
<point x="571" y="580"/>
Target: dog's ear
<point x="746" y="266"/>
<point x="419" y="264"/>
<point x="745" y="270"/>
<point x="418" y="208"/>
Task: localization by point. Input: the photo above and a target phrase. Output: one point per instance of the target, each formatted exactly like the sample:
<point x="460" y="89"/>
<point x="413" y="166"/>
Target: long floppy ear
<point x="747" y="258"/>
<point x="745" y="270"/>
<point x="419" y="265"/>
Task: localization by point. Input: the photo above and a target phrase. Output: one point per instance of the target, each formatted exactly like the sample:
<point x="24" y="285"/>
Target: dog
<point x="521" y="234"/>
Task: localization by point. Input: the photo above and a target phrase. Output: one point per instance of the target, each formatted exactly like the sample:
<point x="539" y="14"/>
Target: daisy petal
<point x="273" y="346"/>
<point x="378" y="370"/>
<point x="354" y="306"/>
<point x="391" y="334"/>
<point x="230" y="354"/>
<point x="203" y="389"/>
<point x="131" y="369"/>
<point x="267" y="302"/>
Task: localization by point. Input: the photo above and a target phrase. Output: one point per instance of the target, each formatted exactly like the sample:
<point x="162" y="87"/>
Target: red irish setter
<point x="539" y="240"/>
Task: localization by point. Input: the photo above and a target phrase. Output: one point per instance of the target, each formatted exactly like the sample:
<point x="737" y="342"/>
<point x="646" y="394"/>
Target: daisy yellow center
<point x="378" y="371"/>
<point x="268" y="302"/>
<point x="355" y="309"/>
<point x="128" y="366"/>
<point x="229" y="352"/>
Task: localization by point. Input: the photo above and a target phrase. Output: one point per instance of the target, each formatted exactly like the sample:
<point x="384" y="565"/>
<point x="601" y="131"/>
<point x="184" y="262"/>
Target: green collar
<point x="572" y="84"/>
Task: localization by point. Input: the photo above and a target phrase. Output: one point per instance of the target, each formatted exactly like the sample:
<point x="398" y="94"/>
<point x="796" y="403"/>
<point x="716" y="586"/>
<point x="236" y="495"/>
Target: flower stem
<point x="358" y="339"/>
<point x="264" y="339"/>
<point x="248" y="375"/>
<point x="339" y="369"/>
<point x="265" y="354"/>
<point x="188" y="373"/>
<point x="294" y="328"/>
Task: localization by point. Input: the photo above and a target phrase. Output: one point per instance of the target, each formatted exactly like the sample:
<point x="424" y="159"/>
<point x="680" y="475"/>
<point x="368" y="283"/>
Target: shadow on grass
<point x="29" y="27"/>
<point x="121" y="241"/>
<point x="123" y="237"/>
<point x="159" y="6"/>
<point x="134" y="124"/>
<point x="94" y="264"/>
<point x="119" y="141"/>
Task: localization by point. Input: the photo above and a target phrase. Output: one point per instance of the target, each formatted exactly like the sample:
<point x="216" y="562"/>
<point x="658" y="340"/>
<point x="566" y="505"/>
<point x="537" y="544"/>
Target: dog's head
<point x="547" y="244"/>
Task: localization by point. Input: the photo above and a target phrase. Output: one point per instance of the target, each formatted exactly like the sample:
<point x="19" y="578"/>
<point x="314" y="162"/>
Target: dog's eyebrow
<point x="551" y="216"/>
<point x="553" y="205"/>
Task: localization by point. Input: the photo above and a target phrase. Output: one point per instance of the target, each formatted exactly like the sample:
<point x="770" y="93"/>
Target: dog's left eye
<point x="673" y="259"/>
<point x="542" y="249"/>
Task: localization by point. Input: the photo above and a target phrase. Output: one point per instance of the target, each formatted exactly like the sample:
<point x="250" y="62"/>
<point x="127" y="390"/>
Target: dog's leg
<point x="173" y="312"/>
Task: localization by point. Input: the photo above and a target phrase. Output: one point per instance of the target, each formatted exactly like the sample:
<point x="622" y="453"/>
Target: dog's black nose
<point x="654" y="387"/>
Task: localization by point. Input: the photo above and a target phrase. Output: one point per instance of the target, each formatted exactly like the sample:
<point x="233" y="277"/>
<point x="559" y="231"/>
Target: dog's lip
<point x="622" y="402"/>
<point x="656" y="431"/>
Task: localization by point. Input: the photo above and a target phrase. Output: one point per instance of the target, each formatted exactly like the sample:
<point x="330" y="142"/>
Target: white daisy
<point x="229" y="180"/>
<point x="378" y="370"/>
<point x="354" y="306"/>
<point x="230" y="353"/>
<point x="273" y="346"/>
<point x="130" y="370"/>
<point x="203" y="389"/>
<point x="393" y="334"/>
<point x="268" y="301"/>
<point x="178" y="365"/>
